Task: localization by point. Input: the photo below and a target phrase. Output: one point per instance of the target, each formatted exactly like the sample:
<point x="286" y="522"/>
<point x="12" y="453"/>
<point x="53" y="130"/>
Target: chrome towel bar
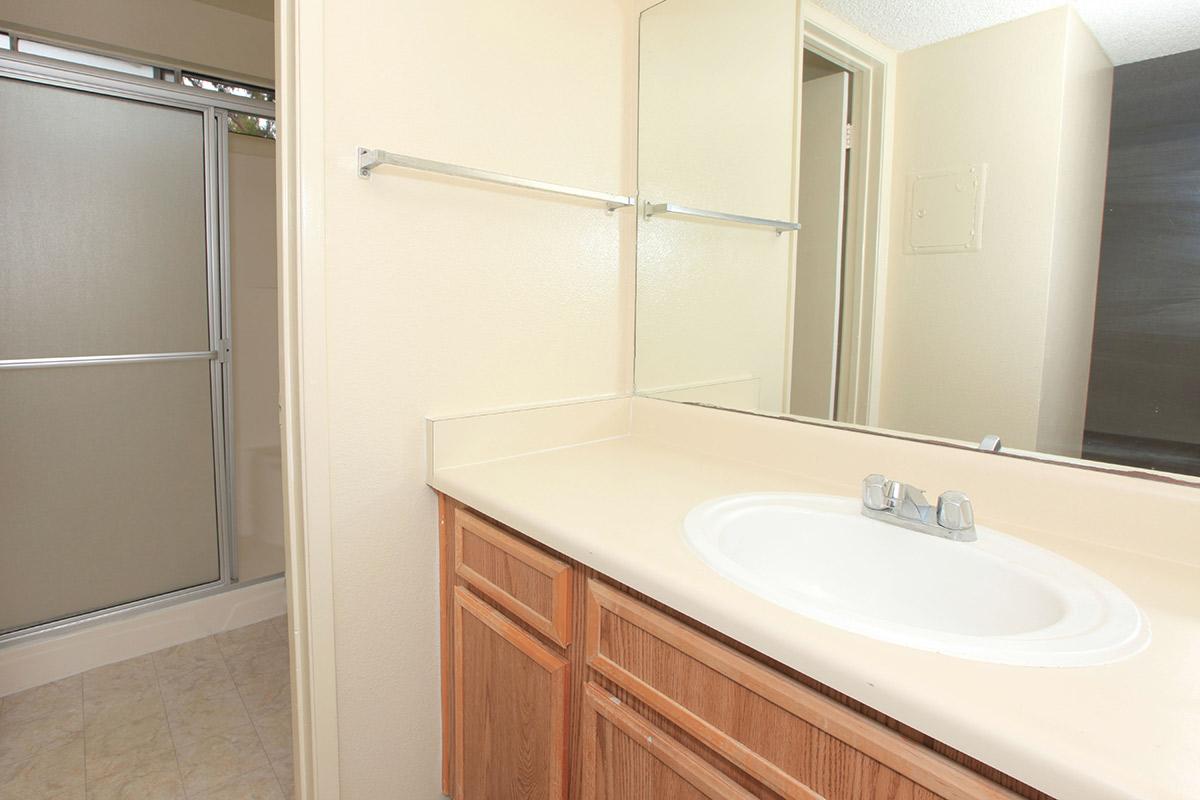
<point x="779" y="225"/>
<point x="125" y="358"/>
<point x="368" y="160"/>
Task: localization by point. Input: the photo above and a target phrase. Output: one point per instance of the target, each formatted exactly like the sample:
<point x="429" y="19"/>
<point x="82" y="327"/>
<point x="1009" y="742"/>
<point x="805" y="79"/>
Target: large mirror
<point x="958" y="225"/>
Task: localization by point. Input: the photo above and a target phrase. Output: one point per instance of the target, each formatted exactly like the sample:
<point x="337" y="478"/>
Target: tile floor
<point x="205" y="720"/>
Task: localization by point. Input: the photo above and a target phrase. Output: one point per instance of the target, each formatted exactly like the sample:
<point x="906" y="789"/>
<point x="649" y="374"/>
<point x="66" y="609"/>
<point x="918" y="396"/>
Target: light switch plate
<point x="944" y="211"/>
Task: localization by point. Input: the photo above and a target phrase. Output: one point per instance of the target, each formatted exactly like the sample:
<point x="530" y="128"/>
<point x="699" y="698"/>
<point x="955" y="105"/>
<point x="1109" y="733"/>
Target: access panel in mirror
<point x="957" y="227"/>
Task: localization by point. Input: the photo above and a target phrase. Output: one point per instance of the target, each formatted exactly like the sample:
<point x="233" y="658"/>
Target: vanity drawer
<point x="784" y="734"/>
<point x="526" y="582"/>
<point x="626" y="757"/>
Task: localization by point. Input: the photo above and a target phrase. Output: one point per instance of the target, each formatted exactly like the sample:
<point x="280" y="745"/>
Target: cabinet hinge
<point x="851" y="136"/>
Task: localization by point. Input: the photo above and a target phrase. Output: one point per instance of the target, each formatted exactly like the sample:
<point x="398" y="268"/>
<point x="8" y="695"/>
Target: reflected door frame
<point x="213" y="108"/>
<point x="871" y="68"/>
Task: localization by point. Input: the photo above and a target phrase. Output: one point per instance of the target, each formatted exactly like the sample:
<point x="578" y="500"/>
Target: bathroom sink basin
<point x="997" y="599"/>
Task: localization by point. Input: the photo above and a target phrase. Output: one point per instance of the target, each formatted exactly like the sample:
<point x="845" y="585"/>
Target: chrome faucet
<point x="904" y="505"/>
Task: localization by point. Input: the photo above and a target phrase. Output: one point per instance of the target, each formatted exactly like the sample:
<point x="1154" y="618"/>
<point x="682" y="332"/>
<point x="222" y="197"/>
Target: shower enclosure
<point x="116" y="402"/>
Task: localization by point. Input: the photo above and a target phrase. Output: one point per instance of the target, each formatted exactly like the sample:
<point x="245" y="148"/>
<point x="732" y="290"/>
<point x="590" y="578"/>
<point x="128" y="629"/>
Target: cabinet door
<point x="510" y="709"/>
<point x="627" y="758"/>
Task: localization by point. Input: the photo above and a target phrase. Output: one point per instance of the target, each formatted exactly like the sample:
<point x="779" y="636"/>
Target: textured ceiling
<point x="1128" y="30"/>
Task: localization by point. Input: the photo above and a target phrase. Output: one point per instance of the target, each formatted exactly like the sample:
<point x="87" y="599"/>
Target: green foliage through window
<point x="245" y="124"/>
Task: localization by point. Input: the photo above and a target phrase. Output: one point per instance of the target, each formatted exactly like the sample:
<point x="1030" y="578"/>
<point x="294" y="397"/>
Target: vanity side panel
<point x="446" y="508"/>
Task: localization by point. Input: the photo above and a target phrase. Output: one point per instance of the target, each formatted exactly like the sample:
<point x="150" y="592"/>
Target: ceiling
<point x="1128" y="30"/>
<point x="262" y="9"/>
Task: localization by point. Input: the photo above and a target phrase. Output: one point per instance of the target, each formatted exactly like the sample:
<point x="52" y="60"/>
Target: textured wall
<point x="717" y="131"/>
<point x="447" y="296"/>
<point x="997" y="341"/>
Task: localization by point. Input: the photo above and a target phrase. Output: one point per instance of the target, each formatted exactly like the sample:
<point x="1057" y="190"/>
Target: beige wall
<point x="442" y="296"/>
<point x="970" y="336"/>
<point x="184" y="33"/>
<point x="1075" y="257"/>
<point x="716" y="131"/>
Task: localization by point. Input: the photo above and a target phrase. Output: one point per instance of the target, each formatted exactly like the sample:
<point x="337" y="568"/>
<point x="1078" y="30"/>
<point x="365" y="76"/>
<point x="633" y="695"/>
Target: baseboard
<point x="24" y="665"/>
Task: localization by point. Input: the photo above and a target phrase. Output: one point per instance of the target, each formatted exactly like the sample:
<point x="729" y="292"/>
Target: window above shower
<point x="238" y="122"/>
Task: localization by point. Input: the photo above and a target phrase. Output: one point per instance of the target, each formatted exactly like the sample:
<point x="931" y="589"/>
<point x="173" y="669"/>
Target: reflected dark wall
<point x="1144" y="392"/>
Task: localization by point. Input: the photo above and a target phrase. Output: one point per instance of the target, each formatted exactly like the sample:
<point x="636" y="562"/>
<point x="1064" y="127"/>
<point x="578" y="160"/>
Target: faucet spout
<point x="905" y="505"/>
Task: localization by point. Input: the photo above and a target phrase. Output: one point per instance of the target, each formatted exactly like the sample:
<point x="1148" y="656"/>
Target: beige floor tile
<point x="25" y="739"/>
<point x="247" y="667"/>
<point x="206" y="716"/>
<point x="251" y="638"/>
<point x="213" y="762"/>
<point x="149" y="781"/>
<point x="148" y="733"/>
<point x="284" y="771"/>
<point x="281" y="625"/>
<point x="56" y="772"/>
<point x="111" y="710"/>
<point x="153" y="754"/>
<point x="266" y="692"/>
<point x="53" y="698"/>
<point x="260" y="784"/>
<point x="275" y="730"/>
<point x="209" y="680"/>
<point x="181" y="658"/>
<point x="125" y="678"/>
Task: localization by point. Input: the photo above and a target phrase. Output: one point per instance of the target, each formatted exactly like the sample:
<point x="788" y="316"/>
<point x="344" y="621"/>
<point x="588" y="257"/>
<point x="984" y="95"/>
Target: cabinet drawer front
<point x="530" y="585"/>
<point x="784" y="734"/>
<point x="510" y="708"/>
<point x="625" y="757"/>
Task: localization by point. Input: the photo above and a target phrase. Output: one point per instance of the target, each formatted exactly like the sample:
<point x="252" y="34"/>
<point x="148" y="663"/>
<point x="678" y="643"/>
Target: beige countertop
<point x="1130" y="729"/>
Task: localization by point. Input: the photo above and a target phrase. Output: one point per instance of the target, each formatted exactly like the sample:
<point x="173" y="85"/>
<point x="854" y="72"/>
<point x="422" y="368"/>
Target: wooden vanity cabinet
<point x="559" y="684"/>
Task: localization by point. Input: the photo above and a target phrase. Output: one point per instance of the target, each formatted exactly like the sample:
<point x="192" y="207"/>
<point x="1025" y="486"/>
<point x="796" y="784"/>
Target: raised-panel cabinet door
<point x="510" y="709"/>
<point x="625" y="757"/>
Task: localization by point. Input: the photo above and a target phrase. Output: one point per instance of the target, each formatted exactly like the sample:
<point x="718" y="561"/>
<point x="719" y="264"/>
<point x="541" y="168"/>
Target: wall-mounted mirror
<point x="953" y="226"/>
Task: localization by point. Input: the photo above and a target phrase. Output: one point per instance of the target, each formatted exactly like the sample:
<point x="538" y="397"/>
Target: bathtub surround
<point x="93" y="644"/>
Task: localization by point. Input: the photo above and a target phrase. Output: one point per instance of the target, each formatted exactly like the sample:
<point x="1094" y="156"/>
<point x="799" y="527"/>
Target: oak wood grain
<point x="510" y="708"/>
<point x="525" y="581"/>
<point x="446" y="608"/>
<point x="625" y="757"/>
<point x="791" y="738"/>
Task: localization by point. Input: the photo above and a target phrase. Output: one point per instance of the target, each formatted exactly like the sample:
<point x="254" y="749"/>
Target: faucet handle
<point x="954" y="511"/>
<point x="875" y="492"/>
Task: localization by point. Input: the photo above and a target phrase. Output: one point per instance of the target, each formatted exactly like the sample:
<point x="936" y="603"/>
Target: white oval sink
<point x="997" y="599"/>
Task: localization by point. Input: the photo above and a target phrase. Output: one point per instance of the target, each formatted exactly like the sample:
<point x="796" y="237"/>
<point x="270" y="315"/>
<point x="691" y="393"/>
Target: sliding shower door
<point x="110" y="391"/>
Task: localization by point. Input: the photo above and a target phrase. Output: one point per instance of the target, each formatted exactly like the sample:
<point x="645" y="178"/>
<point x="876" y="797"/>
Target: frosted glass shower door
<point x="109" y="391"/>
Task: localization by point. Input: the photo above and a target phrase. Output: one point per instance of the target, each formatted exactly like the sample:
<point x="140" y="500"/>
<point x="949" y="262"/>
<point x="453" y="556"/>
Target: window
<point x="245" y="124"/>
<point x="227" y="87"/>
<point x="86" y="59"/>
<point x="239" y="122"/>
<point x="250" y="125"/>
